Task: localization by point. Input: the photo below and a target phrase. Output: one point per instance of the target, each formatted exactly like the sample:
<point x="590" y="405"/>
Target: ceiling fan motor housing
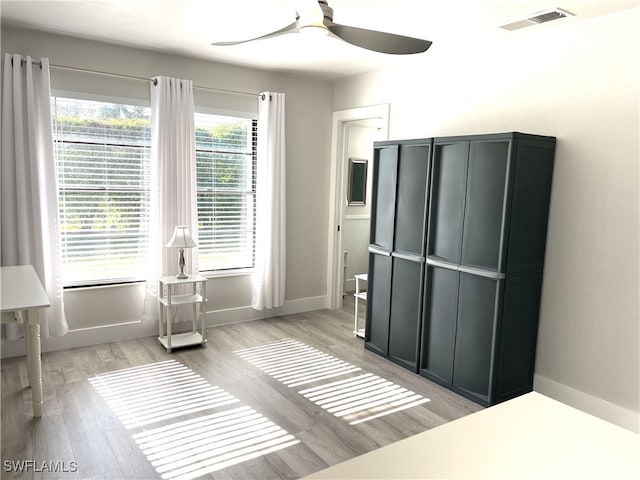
<point x="327" y="11"/>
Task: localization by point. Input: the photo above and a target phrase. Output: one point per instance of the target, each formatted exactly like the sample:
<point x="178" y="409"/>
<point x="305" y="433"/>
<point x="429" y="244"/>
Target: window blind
<point x="226" y="188"/>
<point x="103" y="158"/>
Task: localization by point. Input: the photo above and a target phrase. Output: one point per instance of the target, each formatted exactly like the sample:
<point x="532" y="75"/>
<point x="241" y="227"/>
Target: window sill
<point x="228" y="273"/>
<point x="75" y="288"/>
<point x="207" y="274"/>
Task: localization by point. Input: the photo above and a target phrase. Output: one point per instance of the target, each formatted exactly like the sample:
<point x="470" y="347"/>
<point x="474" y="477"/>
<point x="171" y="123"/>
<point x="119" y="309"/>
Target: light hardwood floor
<point x="80" y="424"/>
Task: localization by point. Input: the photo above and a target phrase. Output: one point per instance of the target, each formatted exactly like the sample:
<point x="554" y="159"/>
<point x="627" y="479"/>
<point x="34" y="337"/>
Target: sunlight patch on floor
<point x="294" y="363"/>
<point x="205" y="439"/>
<point x="363" y="398"/>
<point x="356" y="399"/>
<point x="149" y="394"/>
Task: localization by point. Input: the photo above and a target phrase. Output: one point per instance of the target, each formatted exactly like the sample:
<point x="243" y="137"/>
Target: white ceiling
<point x="188" y="27"/>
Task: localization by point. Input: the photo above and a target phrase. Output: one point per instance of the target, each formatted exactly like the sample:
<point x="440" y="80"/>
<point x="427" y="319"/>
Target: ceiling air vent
<point x="538" y="18"/>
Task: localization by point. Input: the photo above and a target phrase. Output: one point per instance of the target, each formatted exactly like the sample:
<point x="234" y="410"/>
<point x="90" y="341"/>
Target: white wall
<point x="92" y="313"/>
<point x="578" y="82"/>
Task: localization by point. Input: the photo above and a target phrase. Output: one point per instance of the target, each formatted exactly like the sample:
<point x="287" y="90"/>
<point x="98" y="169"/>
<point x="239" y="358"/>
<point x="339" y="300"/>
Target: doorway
<point x="353" y="134"/>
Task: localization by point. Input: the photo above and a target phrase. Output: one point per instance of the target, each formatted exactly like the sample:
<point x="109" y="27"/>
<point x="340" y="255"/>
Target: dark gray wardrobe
<point x="462" y="308"/>
<point x="397" y="249"/>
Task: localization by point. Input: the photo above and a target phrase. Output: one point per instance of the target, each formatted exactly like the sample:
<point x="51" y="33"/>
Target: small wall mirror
<point x="357" y="192"/>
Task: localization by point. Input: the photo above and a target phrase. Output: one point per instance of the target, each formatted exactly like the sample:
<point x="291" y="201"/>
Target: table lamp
<point x="181" y="239"/>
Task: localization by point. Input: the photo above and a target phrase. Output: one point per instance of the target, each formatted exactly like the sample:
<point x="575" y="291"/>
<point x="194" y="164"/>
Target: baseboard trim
<point x="598" y="407"/>
<point x="85" y="337"/>
<point x="245" y="314"/>
<point x="126" y="331"/>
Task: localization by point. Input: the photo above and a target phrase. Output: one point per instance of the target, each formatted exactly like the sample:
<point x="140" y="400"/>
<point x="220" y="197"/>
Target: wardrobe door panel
<point x="447" y="200"/>
<point x="439" y="323"/>
<point x="404" y="321"/>
<point x="477" y="316"/>
<point x="411" y="206"/>
<point x="378" y="295"/>
<point x="384" y="196"/>
<point x="485" y="204"/>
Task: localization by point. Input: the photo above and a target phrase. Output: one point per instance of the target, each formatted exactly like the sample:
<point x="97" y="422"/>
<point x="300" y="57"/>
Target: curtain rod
<point x="132" y="77"/>
<point x="34" y="62"/>
<point x="237" y="92"/>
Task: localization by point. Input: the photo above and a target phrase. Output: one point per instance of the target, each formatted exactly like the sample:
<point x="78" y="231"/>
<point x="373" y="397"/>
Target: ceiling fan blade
<point x="379" y="41"/>
<point x="289" y="28"/>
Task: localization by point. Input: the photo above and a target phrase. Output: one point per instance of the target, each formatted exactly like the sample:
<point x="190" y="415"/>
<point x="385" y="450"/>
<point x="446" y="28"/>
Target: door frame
<point x="335" y="259"/>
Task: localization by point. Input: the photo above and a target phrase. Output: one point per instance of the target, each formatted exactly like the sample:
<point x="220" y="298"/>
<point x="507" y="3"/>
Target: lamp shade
<point x="181" y="238"/>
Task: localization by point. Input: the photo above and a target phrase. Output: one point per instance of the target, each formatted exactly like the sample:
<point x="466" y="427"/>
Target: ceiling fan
<point x="319" y="18"/>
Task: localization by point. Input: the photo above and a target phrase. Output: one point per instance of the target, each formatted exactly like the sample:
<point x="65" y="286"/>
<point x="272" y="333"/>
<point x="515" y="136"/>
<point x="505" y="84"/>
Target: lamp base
<point x="181" y="275"/>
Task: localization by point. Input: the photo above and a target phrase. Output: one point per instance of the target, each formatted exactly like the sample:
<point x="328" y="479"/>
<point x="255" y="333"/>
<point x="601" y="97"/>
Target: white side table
<point x="22" y="294"/>
<point x="168" y="299"/>
<point x="357" y="330"/>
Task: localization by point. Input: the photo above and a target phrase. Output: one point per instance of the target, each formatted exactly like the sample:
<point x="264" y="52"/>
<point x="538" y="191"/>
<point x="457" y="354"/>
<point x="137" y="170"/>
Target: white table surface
<point x="531" y="436"/>
<point x="20" y="289"/>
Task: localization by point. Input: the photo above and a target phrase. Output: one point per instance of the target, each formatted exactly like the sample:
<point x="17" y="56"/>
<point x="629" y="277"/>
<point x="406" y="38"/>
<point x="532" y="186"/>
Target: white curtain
<point x="173" y="182"/>
<point x="270" y="267"/>
<point x="30" y="231"/>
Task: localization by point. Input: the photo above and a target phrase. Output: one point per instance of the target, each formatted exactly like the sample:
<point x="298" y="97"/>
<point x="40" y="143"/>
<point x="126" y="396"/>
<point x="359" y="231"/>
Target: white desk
<point x="531" y="437"/>
<point x="22" y="294"/>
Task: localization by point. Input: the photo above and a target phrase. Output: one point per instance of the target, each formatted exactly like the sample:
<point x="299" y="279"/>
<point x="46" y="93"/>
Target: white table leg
<point x="34" y="365"/>
<point x="169" y="327"/>
<point x="22" y="318"/>
<point x="203" y="313"/>
<point x="160" y="311"/>
<point x="194" y="322"/>
<point x="357" y="301"/>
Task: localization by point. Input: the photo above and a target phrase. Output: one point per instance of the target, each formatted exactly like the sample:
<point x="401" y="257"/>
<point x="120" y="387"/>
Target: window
<point x="103" y="162"/>
<point x="226" y="190"/>
<point x="103" y="157"/>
